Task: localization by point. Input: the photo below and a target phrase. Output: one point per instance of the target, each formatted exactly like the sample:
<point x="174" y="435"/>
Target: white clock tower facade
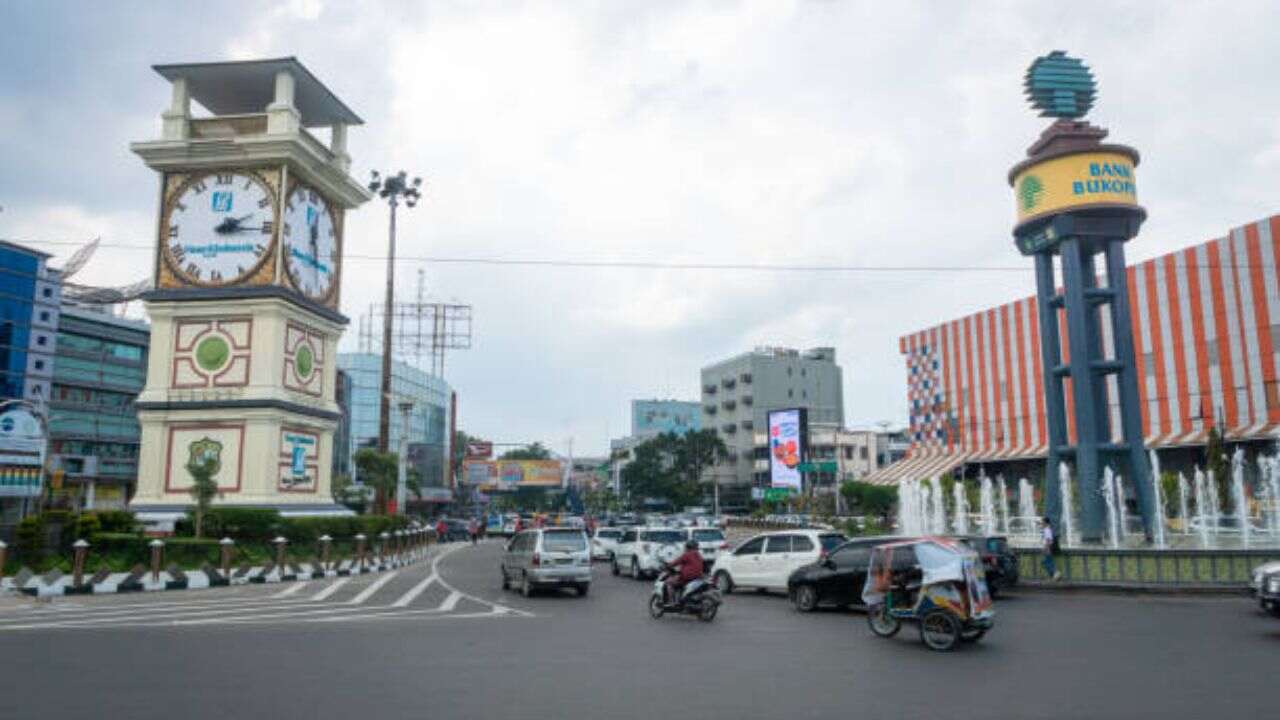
<point x="248" y="269"/>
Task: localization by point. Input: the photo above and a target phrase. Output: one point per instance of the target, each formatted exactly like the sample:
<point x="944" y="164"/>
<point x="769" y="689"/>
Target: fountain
<point x="1214" y="502"/>
<point x="1004" y="506"/>
<point x="1183" y="517"/>
<point x="1202" y="500"/>
<point x="987" y="505"/>
<point x="938" y="525"/>
<point x="909" y="507"/>
<point x="1068" y="505"/>
<point x="1026" y="507"/>
<point x="1109" y="497"/>
<point x="961" y="523"/>
<point x="1157" y="492"/>
<point x="1240" y="496"/>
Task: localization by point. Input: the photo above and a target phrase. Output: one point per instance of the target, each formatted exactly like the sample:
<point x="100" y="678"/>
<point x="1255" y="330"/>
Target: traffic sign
<point x="810" y="467"/>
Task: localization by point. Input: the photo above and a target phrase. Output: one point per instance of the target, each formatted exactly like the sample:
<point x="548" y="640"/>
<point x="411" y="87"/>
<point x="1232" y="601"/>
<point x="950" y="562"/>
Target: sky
<point x="749" y="133"/>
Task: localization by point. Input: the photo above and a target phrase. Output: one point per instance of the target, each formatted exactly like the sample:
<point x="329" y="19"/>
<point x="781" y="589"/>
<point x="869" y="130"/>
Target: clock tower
<point x="247" y="272"/>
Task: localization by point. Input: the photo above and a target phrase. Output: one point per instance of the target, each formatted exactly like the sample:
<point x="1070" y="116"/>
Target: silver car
<point x="547" y="558"/>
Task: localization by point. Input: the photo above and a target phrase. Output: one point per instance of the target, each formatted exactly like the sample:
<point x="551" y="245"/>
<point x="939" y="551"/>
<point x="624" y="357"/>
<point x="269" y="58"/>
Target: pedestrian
<point x="442" y="531"/>
<point x="473" y="529"/>
<point x="519" y="525"/>
<point x="1050" y="542"/>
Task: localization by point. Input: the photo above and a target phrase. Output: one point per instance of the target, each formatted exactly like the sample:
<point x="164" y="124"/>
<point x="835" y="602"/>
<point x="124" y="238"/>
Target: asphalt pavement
<point x="441" y="640"/>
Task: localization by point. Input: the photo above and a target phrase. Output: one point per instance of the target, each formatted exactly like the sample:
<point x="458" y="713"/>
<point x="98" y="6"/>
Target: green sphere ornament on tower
<point x="1060" y="86"/>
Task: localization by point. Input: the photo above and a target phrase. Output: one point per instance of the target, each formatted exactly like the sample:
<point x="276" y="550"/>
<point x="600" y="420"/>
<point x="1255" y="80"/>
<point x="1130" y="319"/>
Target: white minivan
<point x="767" y="560"/>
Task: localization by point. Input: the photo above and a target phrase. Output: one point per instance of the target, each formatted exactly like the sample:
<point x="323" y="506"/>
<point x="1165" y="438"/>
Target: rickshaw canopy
<point x="940" y="560"/>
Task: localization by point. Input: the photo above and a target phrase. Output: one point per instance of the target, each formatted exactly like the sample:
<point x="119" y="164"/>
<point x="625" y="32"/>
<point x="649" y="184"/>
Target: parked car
<point x="604" y="543"/>
<point x="547" y="558"/>
<point x="641" y="552"/>
<point x="1264" y="585"/>
<point x="766" y="561"/>
<point x="837" y="578"/>
<point x="710" y="541"/>
<point x="998" y="561"/>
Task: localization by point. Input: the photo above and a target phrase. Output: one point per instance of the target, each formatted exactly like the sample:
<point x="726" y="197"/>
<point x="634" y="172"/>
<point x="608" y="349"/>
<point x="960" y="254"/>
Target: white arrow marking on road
<point x="414" y="592"/>
<point x="289" y="591"/>
<point x="331" y="589"/>
<point x="373" y="588"/>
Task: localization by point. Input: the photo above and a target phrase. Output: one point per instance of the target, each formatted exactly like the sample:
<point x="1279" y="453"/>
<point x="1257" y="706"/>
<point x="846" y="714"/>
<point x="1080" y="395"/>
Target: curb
<point x="1131" y="588"/>
<point x="199" y="580"/>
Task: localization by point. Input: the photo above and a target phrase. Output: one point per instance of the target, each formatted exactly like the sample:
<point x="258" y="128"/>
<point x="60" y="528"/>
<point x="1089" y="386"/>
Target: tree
<point x="459" y="448"/>
<point x="1216" y="462"/>
<point x="203" y="488"/>
<point x="536" y="451"/>
<point x="379" y="471"/>
<point x="697" y="451"/>
<point x="873" y="500"/>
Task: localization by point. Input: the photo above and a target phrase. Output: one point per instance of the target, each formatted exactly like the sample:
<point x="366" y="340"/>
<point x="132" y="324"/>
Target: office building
<point x="30" y="296"/>
<point x="429" y="422"/>
<point x="1206" y="330"/>
<point x="94" y="436"/>
<point x="738" y="393"/>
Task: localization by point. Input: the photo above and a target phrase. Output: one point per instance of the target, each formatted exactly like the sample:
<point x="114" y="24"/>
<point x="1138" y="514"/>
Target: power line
<point x="657" y="265"/>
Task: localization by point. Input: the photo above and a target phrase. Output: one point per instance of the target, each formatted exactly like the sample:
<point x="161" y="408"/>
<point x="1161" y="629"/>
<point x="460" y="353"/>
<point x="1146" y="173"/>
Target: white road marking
<point x="414" y="592"/>
<point x="450" y="602"/>
<point x="374" y="587"/>
<point x="291" y="590"/>
<point x="331" y="589"/>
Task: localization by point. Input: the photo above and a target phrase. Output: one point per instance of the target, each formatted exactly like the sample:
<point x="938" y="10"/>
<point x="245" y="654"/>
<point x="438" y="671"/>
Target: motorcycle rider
<point x="690" y="568"/>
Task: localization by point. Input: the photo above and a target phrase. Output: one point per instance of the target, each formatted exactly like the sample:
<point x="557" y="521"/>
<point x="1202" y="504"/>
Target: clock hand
<point x="230" y="224"/>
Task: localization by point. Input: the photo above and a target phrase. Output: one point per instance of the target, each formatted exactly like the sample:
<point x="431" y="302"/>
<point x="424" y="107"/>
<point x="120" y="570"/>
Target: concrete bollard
<point x="157" y="558"/>
<point x="383" y="537"/>
<point x="280" y="543"/>
<point x="325" y="542"/>
<point x="81" y="549"/>
<point x="4" y="552"/>
<point x="360" y="538"/>
<point x="225" y="546"/>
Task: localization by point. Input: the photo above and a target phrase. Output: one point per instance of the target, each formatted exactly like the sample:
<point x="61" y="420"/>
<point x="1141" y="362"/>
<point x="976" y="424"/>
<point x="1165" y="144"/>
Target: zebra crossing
<point x="417" y="591"/>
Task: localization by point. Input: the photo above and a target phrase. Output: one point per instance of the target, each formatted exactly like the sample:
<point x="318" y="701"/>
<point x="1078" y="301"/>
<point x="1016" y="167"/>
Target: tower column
<point x="1051" y="357"/>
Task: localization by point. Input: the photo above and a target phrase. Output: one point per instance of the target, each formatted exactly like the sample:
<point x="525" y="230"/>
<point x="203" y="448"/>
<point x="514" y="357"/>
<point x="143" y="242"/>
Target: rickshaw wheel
<point x="973" y="634"/>
<point x="881" y="622"/>
<point x="939" y="630"/>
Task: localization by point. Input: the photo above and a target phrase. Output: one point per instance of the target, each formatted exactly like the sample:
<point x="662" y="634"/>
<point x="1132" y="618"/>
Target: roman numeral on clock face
<point x="225" y="178"/>
<point x="264" y="202"/>
<point x="266" y="227"/>
<point x="215" y="276"/>
<point x="193" y="270"/>
<point x="198" y="186"/>
<point x="173" y="231"/>
<point x="179" y="253"/>
<point x="259" y="249"/>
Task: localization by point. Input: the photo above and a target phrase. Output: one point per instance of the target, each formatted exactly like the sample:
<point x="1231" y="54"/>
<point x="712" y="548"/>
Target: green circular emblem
<point x="304" y="361"/>
<point x="1029" y="192"/>
<point x="212" y="353"/>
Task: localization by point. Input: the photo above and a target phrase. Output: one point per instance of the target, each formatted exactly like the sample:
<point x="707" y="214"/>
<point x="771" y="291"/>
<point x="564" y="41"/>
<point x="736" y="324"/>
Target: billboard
<point x="22" y="445"/>
<point x="507" y="475"/>
<point x="787" y="438"/>
<point x="654" y="417"/>
<point x="479" y="450"/>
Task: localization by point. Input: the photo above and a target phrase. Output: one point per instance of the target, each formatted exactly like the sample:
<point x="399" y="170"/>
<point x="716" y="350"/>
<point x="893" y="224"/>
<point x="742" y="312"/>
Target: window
<point x="48" y="292"/>
<point x="800" y="543"/>
<point x="564" y="541"/>
<point x="39" y="364"/>
<point x="848" y="452"/>
<point x="791" y="393"/>
<point x="862" y="452"/>
<point x="41" y="340"/>
<point x="663" y="536"/>
<point x="831" y="541"/>
<point x="778" y="544"/>
<point x="629" y="536"/>
<point x="44" y="316"/>
<point x="788" y="372"/>
<point x="752" y="547"/>
<point x="852" y="556"/>
<point x="1211" y="354"/>
<point x="609" y="534"/>
<point x="708" y="535"/>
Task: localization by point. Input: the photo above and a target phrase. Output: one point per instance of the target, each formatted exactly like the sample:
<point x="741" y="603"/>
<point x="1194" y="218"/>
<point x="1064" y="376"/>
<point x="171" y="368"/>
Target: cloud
<point x="750" y="133"/>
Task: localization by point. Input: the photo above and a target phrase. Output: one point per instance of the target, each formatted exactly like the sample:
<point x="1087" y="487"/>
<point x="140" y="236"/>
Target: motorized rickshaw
<point x="936" y="582"/>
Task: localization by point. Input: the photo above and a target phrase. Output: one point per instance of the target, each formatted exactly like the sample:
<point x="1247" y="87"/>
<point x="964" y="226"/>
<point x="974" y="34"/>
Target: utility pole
<point x="391" y="189"/>
<point x="402" y="469"/>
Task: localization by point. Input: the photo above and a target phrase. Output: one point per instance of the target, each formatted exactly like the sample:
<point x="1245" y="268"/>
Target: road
<point x="441" y="640"/>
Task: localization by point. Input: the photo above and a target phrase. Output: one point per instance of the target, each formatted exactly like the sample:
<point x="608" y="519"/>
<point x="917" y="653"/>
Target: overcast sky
<point x="792" y="133"/>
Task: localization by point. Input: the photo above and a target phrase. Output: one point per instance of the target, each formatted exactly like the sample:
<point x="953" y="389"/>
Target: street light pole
<point x="402" y="468"/>
<point x="391" y="188"/>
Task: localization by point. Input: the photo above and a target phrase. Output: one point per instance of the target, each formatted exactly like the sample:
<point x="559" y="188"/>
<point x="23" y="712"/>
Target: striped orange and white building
<point x="1206" y="329"/>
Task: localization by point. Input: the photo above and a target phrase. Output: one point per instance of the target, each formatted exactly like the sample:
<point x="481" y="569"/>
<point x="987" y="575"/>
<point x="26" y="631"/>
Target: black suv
<point x="837" y="578"/>
<point x="998" y="561"/>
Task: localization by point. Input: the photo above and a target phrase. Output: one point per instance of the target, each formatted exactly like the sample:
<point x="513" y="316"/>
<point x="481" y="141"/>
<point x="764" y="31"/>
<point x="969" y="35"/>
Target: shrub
<point x="117" y="521"/>
<point x="29" y="538"/>
<point x="242" y="523"/>
<point x="86" y="526"/>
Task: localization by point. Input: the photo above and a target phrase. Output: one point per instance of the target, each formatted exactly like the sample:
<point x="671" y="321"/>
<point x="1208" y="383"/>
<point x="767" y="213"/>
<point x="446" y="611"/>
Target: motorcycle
<point x="700" y="598"/>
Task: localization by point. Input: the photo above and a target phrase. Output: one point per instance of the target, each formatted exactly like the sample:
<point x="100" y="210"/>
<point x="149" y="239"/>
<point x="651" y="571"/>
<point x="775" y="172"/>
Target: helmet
<point x="691" y="545"/>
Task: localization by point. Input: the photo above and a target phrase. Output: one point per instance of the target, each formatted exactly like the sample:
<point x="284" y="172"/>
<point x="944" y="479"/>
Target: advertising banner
<point x="479" y="450"/>
<point x="786" y="447"/>
<point x="508" y="475"/>
<point x="22" y="443"/>
<point x="1071" y="181"/>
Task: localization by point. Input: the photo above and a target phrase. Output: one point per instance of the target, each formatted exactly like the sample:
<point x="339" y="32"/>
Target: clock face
<point x="218" y="227"/>
<point x="310" y="242"/>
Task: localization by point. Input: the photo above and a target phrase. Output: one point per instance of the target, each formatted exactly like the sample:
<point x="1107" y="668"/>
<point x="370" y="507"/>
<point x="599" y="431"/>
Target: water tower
<point x="1077" y="203"/>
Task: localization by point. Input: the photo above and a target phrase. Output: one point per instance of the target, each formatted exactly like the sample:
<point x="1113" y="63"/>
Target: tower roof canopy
<point x="246" y="87"/>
